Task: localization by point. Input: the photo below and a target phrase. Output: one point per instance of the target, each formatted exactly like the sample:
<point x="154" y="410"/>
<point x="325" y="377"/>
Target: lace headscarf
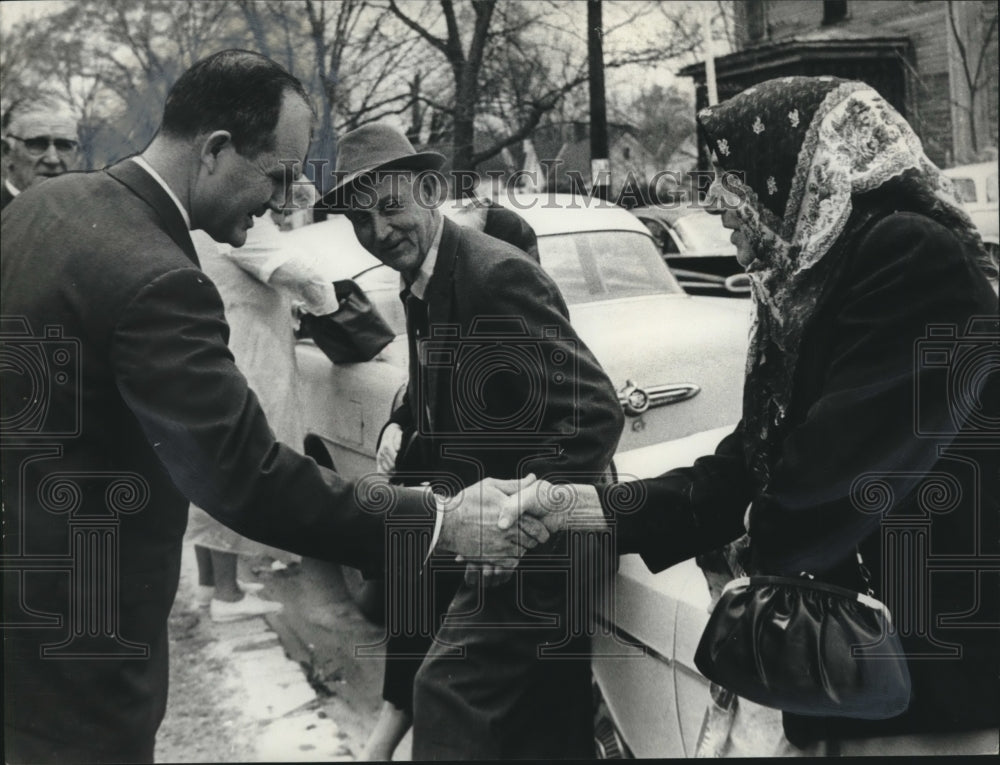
<point x="797" y="151"/>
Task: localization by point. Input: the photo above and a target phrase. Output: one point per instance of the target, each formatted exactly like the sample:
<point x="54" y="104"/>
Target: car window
<point x="965" y="189"/>
<point x="662" y="237"/>
<point x="381" y="285"/>
<point x="586" y="266"/>
<point x="703" y="233"/>
<point x="605" y="265"/>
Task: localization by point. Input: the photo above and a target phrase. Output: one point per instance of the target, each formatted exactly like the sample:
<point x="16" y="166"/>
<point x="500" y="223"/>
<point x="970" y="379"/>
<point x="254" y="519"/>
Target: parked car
<point x="651" y="701"/>
<point x="976" y="187"/>
<point x="677" y="362"/>
<point x="697" y="248"/>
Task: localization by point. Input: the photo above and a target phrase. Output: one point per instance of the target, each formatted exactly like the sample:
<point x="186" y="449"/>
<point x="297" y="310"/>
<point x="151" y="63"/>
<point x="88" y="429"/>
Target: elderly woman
<point x="860" y="259"/>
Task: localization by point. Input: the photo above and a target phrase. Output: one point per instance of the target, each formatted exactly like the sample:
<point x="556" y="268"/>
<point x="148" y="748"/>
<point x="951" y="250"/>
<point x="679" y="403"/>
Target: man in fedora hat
<point x="499" y="385"/>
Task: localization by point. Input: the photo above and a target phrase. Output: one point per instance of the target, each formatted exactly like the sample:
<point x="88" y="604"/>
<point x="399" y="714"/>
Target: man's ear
<point x="214" y="144"/>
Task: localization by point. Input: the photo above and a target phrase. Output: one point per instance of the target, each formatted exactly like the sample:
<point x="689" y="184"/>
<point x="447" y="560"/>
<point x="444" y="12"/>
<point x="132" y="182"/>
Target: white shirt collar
<point x="141" y="162"/>
<point x="14" y="190"/>
<point x="426" y="271"/>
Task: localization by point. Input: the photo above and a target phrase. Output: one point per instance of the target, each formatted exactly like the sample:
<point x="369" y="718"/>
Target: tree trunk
<point x="464" y="117"/>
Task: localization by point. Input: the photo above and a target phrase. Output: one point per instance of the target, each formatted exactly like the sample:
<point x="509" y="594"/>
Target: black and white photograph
<point x="499" y="380"/>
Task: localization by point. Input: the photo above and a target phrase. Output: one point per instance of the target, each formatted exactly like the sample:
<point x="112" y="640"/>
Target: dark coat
<point x="484" y="291"/>
<point x="121" y="404"/>
<point x="489" y="301"/>
<point x="871" y="449"/>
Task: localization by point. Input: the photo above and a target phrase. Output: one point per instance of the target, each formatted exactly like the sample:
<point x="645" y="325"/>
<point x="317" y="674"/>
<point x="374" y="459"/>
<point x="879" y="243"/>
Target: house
<point x="935" y="61"/>
<point x="563" y="154"/>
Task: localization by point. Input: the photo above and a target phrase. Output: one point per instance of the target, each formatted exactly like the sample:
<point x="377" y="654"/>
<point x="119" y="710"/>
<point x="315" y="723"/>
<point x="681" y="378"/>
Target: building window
<point x="755" y="19"/>
<point x="627" y="152"/>
<point x="834" y="11"/>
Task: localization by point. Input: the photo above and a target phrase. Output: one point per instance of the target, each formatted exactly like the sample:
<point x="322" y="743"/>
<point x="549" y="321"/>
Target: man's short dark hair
<point x="235" y="90"/>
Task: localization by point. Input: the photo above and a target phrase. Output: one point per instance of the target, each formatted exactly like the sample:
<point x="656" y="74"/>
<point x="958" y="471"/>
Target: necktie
<point x="417" y="323"/>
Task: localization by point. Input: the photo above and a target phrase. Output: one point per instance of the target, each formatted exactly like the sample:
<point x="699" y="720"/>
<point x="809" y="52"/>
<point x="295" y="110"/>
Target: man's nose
<point x="281" y="198"/>
<point x="381" y="228"/>
<point x="51" y="156"/>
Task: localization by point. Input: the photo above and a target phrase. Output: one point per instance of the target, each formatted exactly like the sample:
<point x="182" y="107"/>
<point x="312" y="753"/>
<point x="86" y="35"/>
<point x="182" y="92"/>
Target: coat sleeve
<point x="176" y="374"/>
<point x="685" y="511"/>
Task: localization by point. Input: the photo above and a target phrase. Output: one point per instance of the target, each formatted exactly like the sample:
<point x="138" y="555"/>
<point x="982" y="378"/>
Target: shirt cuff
<point x="438" y="522"/>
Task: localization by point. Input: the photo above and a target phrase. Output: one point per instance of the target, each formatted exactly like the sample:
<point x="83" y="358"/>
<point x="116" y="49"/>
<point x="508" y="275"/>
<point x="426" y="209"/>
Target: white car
<point x="976" y="188"/>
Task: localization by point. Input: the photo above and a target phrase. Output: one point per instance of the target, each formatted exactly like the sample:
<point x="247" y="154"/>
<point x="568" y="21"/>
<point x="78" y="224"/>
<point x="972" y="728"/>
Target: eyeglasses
<point x="38" y="145"/>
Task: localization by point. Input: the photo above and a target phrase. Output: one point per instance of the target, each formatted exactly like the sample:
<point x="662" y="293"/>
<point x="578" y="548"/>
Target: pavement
<point x="285" y="688"/>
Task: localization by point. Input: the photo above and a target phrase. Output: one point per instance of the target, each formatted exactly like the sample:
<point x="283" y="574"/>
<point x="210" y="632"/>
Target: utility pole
<point x="709" y="42"/>
<point x="600" y="165"/>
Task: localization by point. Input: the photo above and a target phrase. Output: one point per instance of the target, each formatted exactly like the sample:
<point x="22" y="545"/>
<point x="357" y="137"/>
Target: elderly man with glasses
<point x="37" y="144"/>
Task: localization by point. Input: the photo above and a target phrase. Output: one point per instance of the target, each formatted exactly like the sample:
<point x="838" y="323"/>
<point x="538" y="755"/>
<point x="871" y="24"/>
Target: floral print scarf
<point x="795" y="152"/>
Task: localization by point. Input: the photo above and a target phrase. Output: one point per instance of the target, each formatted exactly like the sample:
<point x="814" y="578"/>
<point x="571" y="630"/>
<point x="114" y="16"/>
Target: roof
<point x="835" y="44"/>
<point x="550" y="214"/>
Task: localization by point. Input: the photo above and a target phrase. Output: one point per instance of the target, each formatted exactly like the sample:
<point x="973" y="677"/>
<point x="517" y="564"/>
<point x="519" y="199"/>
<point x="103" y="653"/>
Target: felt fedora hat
<point x="371" y="148"/>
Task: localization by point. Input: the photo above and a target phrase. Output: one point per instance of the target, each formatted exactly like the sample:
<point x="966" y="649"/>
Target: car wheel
<point x="367" y="594"/>
<point x="608" y="741"/>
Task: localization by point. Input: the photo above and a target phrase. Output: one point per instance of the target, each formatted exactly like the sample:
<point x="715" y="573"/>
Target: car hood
<point x="665" y="339"/>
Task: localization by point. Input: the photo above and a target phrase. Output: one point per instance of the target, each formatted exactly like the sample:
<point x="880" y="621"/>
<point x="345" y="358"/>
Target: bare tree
<point x="973" y="38"/>
<point x="517" y="61"/>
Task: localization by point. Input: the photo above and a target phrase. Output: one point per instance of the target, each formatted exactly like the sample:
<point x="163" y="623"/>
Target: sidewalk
<point x="236" y="696"/>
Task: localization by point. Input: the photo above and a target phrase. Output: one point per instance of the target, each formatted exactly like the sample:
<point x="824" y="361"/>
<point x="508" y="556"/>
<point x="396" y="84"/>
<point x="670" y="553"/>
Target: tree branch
<point x="437" y="42"/>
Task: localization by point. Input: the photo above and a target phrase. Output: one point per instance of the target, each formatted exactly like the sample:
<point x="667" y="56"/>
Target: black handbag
<point x="803" y="646"/>
<point x="356" y="331"/>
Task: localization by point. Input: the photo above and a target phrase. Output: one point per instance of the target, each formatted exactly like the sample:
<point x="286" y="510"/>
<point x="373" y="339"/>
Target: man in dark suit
<point x="121" y="403"/>
<point x="38" y="143"/>
<point x="500" y="385"/>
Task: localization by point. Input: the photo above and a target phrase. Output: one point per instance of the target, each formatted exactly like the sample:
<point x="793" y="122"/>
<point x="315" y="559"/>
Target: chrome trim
<point x="655" y="395"/>
<point x="627" y="637"/>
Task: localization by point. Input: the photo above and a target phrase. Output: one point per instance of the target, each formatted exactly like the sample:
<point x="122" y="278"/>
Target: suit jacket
<point x="872" y="440"/>
<point x="122" y="404"/>
<point x="504" y="386"/>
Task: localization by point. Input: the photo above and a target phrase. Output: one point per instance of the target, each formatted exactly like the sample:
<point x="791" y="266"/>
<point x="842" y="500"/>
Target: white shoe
<point x="204" y="593"/>
<point x="247" y="607"/>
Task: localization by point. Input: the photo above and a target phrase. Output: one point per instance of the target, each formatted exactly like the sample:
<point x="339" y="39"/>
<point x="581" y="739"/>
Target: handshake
<point x="491" y="524"/>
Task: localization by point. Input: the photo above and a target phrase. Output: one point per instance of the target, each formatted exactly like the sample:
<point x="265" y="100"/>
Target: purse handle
<point x="866" y="575"/>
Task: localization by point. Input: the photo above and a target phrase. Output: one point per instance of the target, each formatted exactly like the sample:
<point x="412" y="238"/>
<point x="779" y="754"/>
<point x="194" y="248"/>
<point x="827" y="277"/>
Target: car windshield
<point x="703" y="233"/>
<point x="590" y="266"/>
<point x="587" y="266"/>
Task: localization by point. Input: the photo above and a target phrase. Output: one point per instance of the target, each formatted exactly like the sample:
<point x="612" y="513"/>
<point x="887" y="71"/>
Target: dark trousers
<point x="24" y="748"/>
<point x="508" y="675"/>
<point x="411" y="627"/>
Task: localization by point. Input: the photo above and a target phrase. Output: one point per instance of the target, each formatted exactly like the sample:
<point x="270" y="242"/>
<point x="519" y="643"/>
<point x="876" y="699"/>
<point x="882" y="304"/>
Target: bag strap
<point x="866" y="575"/>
